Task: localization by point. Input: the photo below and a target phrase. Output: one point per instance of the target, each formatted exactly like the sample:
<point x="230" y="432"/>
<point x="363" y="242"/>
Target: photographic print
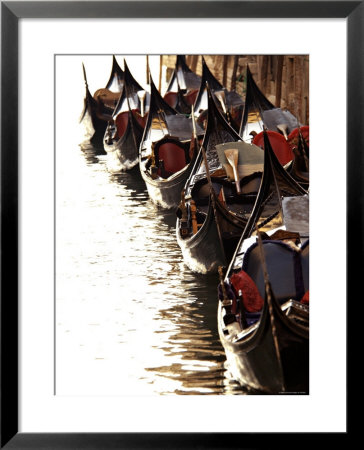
<point x="181" y="224"/>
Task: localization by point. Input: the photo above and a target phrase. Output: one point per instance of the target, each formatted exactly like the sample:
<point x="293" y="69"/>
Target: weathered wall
<point x="284" y="79"/>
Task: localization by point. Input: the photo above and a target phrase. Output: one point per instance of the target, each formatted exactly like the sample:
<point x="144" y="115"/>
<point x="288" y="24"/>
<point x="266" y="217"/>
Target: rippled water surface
<point x="131" y="318"/>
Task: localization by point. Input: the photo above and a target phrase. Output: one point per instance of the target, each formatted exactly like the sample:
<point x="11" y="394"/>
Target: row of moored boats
<point x="236" y="171"/>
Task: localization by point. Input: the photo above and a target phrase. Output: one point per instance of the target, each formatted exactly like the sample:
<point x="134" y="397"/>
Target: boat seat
<point x="190" y="96"/>
<point x="280" y="146"/>
<point x="141" y="120"/>
<point x="171" y="98"/>
<point x="287" y="269"/>
<point x="173" y="153"/>
<point x="107" y="97"/>
<point x="121" y="122"/>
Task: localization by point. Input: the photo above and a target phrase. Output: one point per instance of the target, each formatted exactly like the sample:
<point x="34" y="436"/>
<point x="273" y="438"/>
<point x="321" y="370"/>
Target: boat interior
<point x="279" y="144"/>
<point x="169" y="156"/>
<point x="122" y="119"/>
<point x="237" y="206"/>
<point x="287" y="265"/>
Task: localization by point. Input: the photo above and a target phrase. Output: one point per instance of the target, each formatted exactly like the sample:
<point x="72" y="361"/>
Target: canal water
<point x="131" y="318"/>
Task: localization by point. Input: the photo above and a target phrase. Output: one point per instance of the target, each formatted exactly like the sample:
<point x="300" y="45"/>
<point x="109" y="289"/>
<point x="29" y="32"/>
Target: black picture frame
<point x="11" y="12"/>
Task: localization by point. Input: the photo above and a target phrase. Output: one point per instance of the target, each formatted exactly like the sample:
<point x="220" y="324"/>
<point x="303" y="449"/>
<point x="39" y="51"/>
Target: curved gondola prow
<point x="215" y="120"/>
<point x="156" y="100"/>
<point x="254" y="98"/>
<point x="207" y="77"/>
<point x="272" y="169"/>
<point x="130" y="81"/>
<point x="116" y="79"/>
<point x="130" y="89"/>
<point x="183" y="86"/>
<point x="187" y="78"/>
<point x="179" y="64"/>
<point x="157" y="106"/>
<point x="172" y="81"/>
<point x="88" y="97"/>
<point x="177" y="98"/>
<point x="89" y="100"/>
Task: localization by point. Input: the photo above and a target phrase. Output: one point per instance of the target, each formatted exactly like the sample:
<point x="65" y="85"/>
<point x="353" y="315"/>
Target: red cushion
<point x="306" y="298"/>
<point x="171" y="98"/>
<point x="279" y="145"/>
<point x="121" y="123"/>
<point x="252" y="300"/>
<point x="190" y="97"/>
<point x="174" y="157"/>
<point x="141" y="120"/>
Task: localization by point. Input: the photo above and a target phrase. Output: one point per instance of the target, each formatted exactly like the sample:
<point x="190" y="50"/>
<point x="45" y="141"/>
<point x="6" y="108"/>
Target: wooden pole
<point x="279" y="80"/>
<point x="298" y="85"/>
<point x="235" y="70"/>
<point x="160" y="72"/>
<point x="147" y="70"/>
<point x="290" y="83"/>
<point x="224" y="70"/>
<point x="305" y="89"/>
<point x="264" y="74"/>
<point x="194" y="60"/>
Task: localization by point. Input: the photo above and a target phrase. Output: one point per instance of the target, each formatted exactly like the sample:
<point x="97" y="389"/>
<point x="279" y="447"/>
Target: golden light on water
<point x="131" y="319"/>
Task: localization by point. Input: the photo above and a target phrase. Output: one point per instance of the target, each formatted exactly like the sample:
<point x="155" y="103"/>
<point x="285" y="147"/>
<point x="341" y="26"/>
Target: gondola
<point x="139" y="98"/>
<point x="282" y="127"/>
<point x="98" y="109"/>
<point x="229" y="102"/>
<point x="125" y="130"/>
<point x="178" y="101"/>
<point x="166" y="153"/>
<point x="214" y="208"/>
<point x="263" y="314"/>
<point x="183" y="87"/>
<point x="259" y="112"/>
<point x="183" y="77"/>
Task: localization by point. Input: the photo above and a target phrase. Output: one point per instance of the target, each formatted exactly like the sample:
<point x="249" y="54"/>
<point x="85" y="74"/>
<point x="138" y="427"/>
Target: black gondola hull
<point x="215" y="241"/>
<point x="166" y="193"/>
<point x="123" y="154"/>
<point x="202" y="252"/>
<point x="93" y="130"/>
<point x="253" y="360"/>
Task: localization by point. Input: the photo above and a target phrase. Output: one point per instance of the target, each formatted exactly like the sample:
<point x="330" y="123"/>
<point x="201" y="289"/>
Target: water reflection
<point x="131" y="317"/>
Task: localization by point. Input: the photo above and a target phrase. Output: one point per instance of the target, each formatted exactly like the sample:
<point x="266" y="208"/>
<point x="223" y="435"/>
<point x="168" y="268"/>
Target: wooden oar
<point x="283" y="127"/>
<point x="147" y="70"/>
<point x="232" y="155"/>
<point x="141" y="95"/>
<point x="220" y="95"/>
